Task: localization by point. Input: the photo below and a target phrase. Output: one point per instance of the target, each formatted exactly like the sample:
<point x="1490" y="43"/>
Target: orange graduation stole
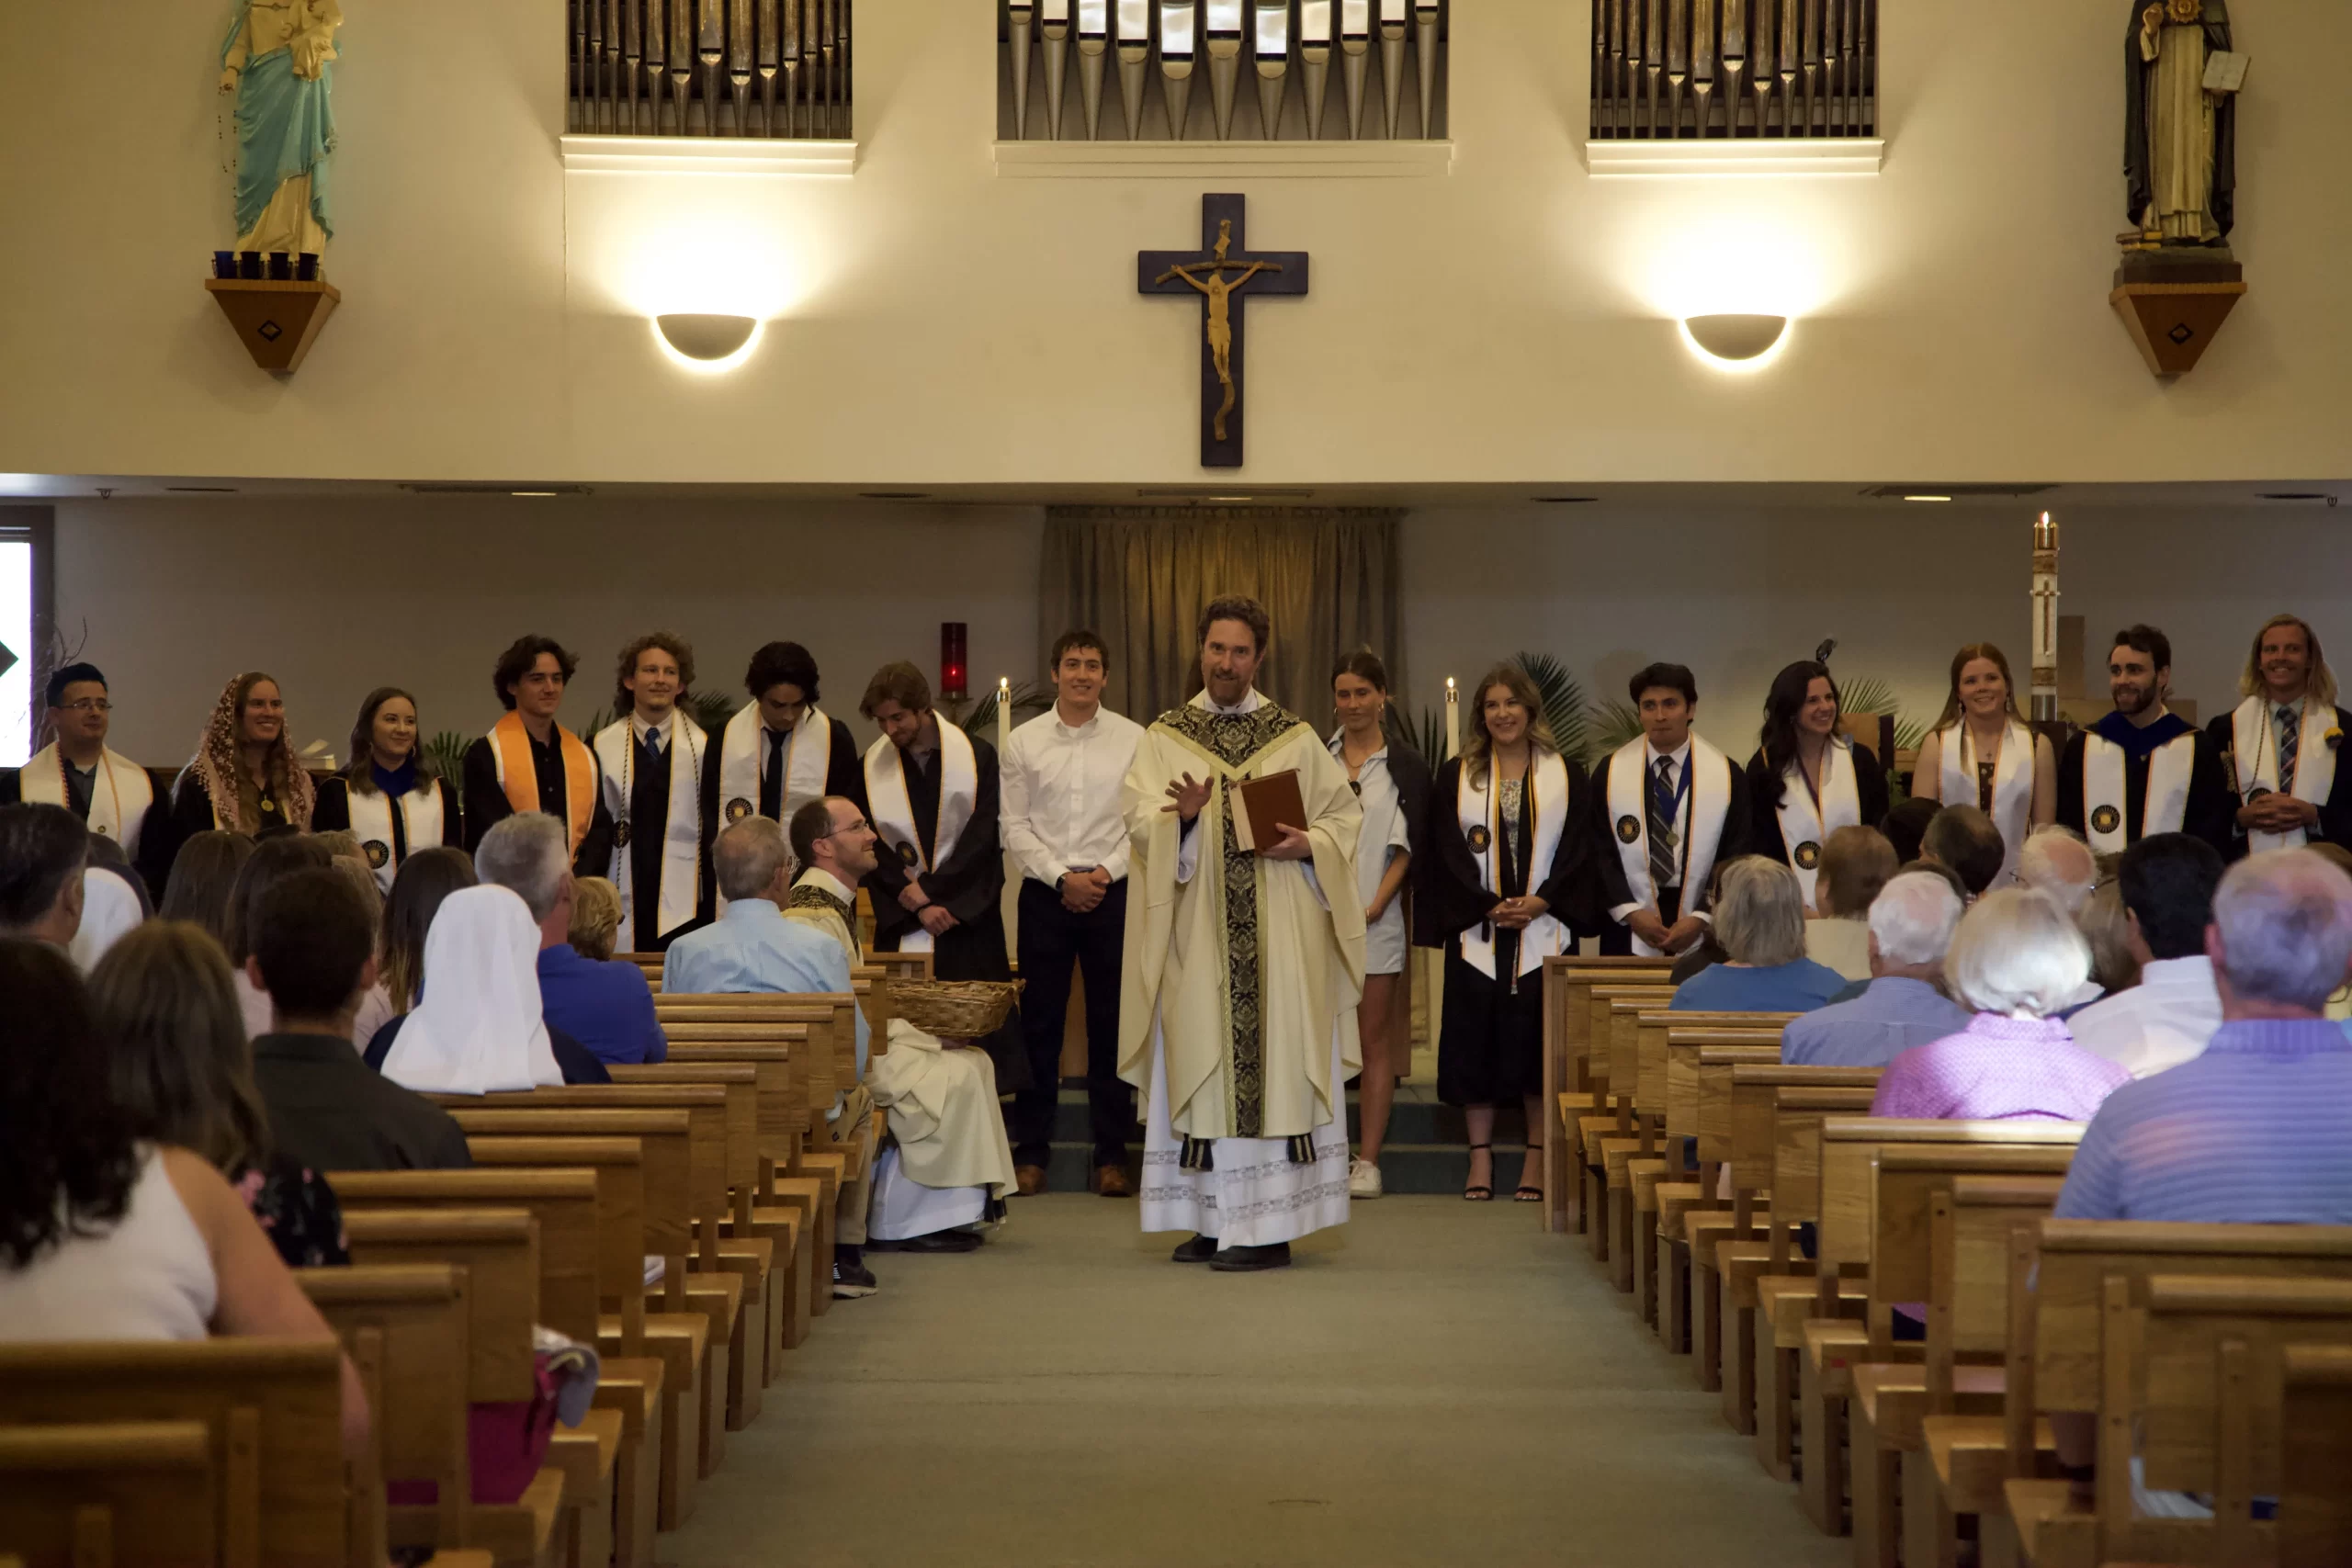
<point x="520" y="778"/>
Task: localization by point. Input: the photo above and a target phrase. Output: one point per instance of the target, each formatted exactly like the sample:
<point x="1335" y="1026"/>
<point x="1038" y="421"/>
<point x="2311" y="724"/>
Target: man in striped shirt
<point x="2259" y="1128"/>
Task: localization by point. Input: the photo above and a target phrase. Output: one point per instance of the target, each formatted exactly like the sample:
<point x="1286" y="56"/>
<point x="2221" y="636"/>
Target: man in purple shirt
<point x="1911" y="924"/>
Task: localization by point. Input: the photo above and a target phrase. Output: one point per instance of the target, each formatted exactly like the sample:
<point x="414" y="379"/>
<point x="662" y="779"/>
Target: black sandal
<point x="1527" y="1194"/>
<point x="1479" y="1191"/>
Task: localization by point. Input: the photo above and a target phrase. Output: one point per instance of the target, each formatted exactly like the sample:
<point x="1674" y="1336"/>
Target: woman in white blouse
<point x="1392" y="782"/>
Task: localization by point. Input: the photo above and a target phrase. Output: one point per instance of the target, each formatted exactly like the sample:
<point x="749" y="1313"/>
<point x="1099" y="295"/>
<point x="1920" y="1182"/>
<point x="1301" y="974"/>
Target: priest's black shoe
<point x="1251" y="1259"/>
<point x="1200" y="1249"/>
<point x="937" y="1241"/>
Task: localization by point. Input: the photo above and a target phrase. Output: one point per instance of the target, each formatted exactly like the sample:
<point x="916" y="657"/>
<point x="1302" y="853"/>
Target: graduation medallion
<point x="269" y="805"/>
<point x="1479" y="839"/>
<point x="738" y="808"/>
<point x="907" y="853"/>
<point x="2105" y="819"/>
<point x="1629" y="828"/>
<point x="620" y="835"/>
<point x="1807" y="856"/>
<point x="378" y="853"/>
<point x="2256" y="793"/>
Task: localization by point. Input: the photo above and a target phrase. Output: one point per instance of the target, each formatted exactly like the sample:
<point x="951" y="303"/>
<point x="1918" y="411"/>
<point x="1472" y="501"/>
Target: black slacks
<point x="1051" y="941"/>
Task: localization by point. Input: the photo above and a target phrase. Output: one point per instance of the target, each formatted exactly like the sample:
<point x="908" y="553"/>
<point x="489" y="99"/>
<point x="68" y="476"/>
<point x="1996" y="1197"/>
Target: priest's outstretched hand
<point x="1187" y="798"/>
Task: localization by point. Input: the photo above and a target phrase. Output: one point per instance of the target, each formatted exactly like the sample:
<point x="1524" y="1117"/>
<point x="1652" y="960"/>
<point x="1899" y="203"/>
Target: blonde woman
<point x="1979" y="752"/>
<point x="595" y="918"/>
<point x="1504" y="863"/>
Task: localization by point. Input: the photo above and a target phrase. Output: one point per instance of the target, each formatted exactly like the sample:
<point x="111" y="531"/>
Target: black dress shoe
<point x="1251" y="1259"/>
<point x="1200" y="1249"/>
<point x="937" y="1241"/>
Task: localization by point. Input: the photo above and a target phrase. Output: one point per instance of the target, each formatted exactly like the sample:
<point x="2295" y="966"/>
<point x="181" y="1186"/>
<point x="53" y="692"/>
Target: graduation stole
<point x="894" y="815"/>
<point x="510" y="747"/>
<point x="1478" y="807"/>
<point x="1709" y="802"/>
<point x="120" y="796"/>
<point x="2166" y="796"/>
<point x="2012" y="810"/>
<point x="1805" y="823"/>
<point x="681" y="835"/>
<point x="390" y="830"/>
<point x="743" y="761"/>
<point x="2253" y="763"/>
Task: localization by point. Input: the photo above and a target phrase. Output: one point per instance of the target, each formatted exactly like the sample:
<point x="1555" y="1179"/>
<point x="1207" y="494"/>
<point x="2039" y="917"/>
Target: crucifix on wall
<point x="1223" y="272"/>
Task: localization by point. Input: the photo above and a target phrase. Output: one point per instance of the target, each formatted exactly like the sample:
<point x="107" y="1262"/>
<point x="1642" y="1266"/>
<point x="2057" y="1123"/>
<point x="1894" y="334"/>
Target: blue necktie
<point x="1662" y="860"/>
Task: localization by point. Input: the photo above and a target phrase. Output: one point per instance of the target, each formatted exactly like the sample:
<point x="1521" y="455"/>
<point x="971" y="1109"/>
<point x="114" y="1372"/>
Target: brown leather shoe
<point x="1111" y="1181"/>
<point x="1028" y="1179"/>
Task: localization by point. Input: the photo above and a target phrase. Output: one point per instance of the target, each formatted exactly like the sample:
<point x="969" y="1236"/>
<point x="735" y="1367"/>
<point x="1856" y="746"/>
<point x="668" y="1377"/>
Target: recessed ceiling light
<point x="534" y="493"/>
<point x="1927" y="498"/>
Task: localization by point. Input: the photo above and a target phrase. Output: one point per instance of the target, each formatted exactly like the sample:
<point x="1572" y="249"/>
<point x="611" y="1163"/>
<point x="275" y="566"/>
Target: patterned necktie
<point x="2290" y="739"/>
<point x="1662" y="858"/>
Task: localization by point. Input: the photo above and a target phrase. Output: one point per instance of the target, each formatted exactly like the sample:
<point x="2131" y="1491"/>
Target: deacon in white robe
<point x="651" y="760"/>
<point x="2278" y="747"/>
<point x="949" y="1163"/>
<point x="2142" y="769"/>
<point x="114" y="797"/>
<point x="1241" y="973"/>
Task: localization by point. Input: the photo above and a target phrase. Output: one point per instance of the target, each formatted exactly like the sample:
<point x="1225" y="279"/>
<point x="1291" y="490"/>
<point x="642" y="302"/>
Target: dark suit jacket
<point x="1609" y="885"/>
<point x="2206" y="814"/>
<point x="2335" y="812"/>
<point x="330" y="1110"/>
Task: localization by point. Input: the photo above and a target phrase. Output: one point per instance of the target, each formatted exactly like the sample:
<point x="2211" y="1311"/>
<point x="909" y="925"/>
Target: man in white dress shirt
<point x="1063" y="771"/>
<point x="2167" y="882"/>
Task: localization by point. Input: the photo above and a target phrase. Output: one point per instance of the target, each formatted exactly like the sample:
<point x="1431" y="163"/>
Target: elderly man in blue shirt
<point x="1911" y="923"/>
<point x="751" y="947"/>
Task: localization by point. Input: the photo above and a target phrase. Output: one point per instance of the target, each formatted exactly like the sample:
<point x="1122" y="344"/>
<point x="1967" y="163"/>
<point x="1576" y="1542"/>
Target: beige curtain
<point x="1140" y="576"/>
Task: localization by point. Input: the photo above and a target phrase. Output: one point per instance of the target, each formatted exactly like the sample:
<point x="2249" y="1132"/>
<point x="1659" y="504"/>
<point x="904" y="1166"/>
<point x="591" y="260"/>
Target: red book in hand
<point x="1263" y="807"/>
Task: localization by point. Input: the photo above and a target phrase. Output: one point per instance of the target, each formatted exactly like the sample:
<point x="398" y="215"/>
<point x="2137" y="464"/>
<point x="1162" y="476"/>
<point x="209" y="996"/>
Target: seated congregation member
<point x="529" y="763"/>
<point x="948" y="1164"/>
<point x="1856" y="862"/>
<point x="595" y="1013"/>
<point x="595" y="918"/>
<point x="779" y="935"/>
<point x="2056" y="861"/>
<point x="1910" y="925"/>
<point x="780" y="751"/>
<point x="43" y="851"/>
<point x="2013" y="962"/>
<point x="183" y="1068"/>
<point x="1760" y="919"/>
<point x="1392" y="782"/>
<point x="2142" y="768"/>
<point x="244" y="776"/>
<point x="113" y="796"/>
<point x="270" y="864"/>
<point x="1964" y="839"/>
<point x="481" y="1028"/>
<point x="105" y="1235"/>
<point x="202" y="874"/>
<point x="1979" y="752"/>
<point x="1504" y="866"/>
<point x="2108" y="927"/>
<point x="310" y="953"/>
<point x="933" y="792"/>
<point x="2278" y="747"/>
<point x="1807" y="781"/>
<point x="114" y="904"/>
<point x="2167" y="881"/>
<point x="385" y="796"/>
<point x="1907" y="824"/>
<point x="426" y="878"/>
<point x="653" y="758"/>
<point x="1062" y="773"/>
<point x="1666" y="809"/>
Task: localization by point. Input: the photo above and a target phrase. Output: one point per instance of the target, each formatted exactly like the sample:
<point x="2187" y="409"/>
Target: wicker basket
<point x="954" y="1010"/>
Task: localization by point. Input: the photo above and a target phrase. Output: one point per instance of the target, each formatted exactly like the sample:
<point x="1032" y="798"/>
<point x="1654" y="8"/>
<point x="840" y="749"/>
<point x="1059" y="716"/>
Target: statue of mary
<point x="275" y="59"/>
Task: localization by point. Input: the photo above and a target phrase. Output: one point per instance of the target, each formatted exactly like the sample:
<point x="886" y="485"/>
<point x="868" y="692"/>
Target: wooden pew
<point x="1608" y="1131"/>
<point x="151" y="1455"/>
<point x="2315" y="1507"/>
<point x="1731" y="1218"/>
<point x="1669" y="1045"/>
<point x="1567" y="1015"/>
<point x="2089" y="1276"/>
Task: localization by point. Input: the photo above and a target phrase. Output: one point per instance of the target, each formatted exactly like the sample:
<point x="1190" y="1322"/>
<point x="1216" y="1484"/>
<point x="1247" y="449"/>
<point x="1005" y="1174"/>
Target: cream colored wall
<point x="933" y="322"/>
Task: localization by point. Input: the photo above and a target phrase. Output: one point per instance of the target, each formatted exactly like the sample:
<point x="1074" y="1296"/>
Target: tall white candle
<point x="1452" y="719"/>
<point x="1003" y="713"/>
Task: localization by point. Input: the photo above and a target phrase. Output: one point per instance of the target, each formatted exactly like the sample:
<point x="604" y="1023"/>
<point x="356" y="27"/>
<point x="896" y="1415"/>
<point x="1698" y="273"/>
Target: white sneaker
<point x="1364" y="1179"/>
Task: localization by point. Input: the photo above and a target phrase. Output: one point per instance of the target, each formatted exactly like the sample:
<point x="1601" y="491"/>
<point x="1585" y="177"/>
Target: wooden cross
<point x="1218" y="272"/>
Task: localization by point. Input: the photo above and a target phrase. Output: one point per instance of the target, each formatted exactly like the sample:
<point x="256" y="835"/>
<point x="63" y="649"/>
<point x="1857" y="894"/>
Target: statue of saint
<point x="275" y="59"/>
<point x="2180" y="124"/>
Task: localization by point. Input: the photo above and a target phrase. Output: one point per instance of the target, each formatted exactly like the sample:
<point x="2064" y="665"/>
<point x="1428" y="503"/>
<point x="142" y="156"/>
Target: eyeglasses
<point x="88" y="705"/>
<point x="857" y="827"/>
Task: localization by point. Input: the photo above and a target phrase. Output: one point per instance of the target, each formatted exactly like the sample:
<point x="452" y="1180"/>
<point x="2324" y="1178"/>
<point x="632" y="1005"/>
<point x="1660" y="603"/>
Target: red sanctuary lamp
<point x="951" y="660"/>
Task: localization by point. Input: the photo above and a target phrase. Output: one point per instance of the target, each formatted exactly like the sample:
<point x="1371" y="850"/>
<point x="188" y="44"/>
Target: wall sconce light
<point x="712" y="342"/>
<point x="1736" y="340"/>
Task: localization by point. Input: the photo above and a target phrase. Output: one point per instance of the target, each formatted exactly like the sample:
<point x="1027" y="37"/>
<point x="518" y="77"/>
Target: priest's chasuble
<point x="1238" y="988"/>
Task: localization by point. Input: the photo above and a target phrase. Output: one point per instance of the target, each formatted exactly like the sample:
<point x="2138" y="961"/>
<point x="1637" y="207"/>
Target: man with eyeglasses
<point x="113" y="795"/>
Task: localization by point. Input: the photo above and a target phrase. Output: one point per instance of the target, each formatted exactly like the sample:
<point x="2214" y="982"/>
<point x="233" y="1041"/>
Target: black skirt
<point x="1490" y="1039"/>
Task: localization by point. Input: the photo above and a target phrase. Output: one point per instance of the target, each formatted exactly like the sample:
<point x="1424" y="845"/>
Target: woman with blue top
<point x="1760" y="919"/>
<point x="386" y="794"/>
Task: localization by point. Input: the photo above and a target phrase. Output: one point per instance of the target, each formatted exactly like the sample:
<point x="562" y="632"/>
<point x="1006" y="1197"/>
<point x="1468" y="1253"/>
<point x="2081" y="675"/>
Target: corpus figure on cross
<point x="1220" y="313"/>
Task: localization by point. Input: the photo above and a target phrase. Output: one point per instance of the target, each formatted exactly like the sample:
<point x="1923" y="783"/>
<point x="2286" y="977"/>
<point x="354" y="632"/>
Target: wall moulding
<point x="707" y="156"/>
<point x="1213" y="160"/>
<point x="1776" y="156"/>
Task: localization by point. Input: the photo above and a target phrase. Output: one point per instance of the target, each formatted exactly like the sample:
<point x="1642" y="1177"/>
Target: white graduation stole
<point x="894" y="815"/>
<point x="1701" y="827"/>
<point x="2253" y="763"/>
<point x="743" y="761"/>
<point x="2167" y="797"/>
<point x="2012" y="785"/>
<point x="1805" y="829"/>
<point x="120" y="796"/>
<point x="616" y="747"/>
<point x="387" y="841"/>
<point x="1479" y="808"/>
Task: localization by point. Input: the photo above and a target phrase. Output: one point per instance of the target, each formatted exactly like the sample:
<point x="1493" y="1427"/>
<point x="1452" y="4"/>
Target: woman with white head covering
<point x="110" y="909"/>
<point x="479" y="1028"/>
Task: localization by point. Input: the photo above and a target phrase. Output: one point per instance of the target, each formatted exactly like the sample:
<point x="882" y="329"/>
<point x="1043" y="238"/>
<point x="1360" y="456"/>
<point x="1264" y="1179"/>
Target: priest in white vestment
<point x="948" y="1164"/>
<point x="1240" y="975"/>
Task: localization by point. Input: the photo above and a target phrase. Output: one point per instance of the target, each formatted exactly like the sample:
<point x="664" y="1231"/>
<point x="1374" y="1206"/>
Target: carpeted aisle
<point x="1438" y="1381"/>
